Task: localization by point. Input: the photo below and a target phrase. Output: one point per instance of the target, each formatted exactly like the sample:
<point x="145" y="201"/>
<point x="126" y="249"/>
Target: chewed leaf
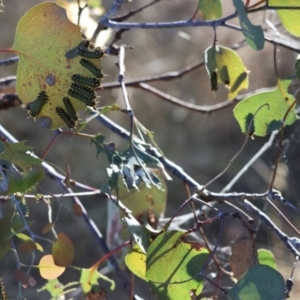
<point x="89" y="278"/>
<point x="288" y="16"/>
<point x="18" y="154"/>
<point x="227" y="68"/>
<point x="267" y="109"/>
<point x="210" y="9"/>
<point x="253" y="34"/>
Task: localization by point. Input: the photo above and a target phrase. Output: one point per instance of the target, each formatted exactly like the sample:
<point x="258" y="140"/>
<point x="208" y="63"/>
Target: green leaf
<point x="26" y="238"/>
<point x="260" y="282"/>
<point x="5" y="235"/>
<point x="288" y="16"/>
<point x="172" y="266"/>
<point x="89" y="277"/>
<point x="210" y="9"/>
<point x="54" y="287"/>
<point x="297" y="67"/>
<point x="16" y="153"/>
<point x="228" y="68"/>
<point x="109" y="108"/>
<point x="266" y="257"/>
<point x="269" y="117"/>
<point x="253" y="34"/>
<point x="140" y="234"/>
<point x="136" y="262"/>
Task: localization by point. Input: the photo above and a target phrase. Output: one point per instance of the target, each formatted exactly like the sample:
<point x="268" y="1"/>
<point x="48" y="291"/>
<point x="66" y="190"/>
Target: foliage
<point x="58" y="79"/>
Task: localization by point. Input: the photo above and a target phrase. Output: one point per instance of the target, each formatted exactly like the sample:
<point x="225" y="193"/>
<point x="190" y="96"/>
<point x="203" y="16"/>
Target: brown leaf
<point x="77" y="210"/>
<point x="25" y="279"/>
<point x="244" y="256"/>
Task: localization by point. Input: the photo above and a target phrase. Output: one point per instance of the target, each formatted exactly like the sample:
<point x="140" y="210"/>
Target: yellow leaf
<point x="48" y="269"/>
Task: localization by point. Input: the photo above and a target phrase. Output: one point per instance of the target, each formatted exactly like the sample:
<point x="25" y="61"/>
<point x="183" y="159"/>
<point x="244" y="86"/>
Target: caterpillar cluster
<point x="70" y="122"/>
<point x="36" y="106"/>
<point x="214" y="81"/>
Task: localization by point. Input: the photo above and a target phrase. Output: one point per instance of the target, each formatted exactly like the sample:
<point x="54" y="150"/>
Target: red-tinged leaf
<point x="63" y="250"/>
<point x="25" y="279"/>
<point x="27" y="246"/>
<point x="47" y="228"/>
<point x="48" y="269"/>
<point x="77" y="210"/>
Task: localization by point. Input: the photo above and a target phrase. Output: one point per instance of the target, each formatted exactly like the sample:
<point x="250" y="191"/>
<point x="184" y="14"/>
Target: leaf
<point x="63" y="250"/>
<point x="170" y="261"/>
<point x="5" y="235"/>
<point x="136" y="262"/>
<point x="268" y="118"/>
<point x="90" y="277"/>
<point x="243" y="257"/>
<point x="54" y="287"/>
<point x="140" y="234"/>
<point x="16" y="153"/>
<point x="210" y="9"/>
<point x="288" y="16"/>
<point x="47" y="228"/>
<point x="48" y="269"/>
<point x="145" y="202"/>
<point x="28" y="243"/>
<point x="253" y="34"/>
<point x="297" y="67"/>
<point x="266" y="257"/>
<point x="260" y="282"/>
<point x="77" y="210"/>
<point x="25" y="279"/>
<point x="46" y="65"/>
<point x="228" y="67"/>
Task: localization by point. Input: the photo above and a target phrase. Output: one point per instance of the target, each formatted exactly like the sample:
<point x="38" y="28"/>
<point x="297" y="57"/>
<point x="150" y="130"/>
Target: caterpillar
<point x="3" y="295"/>
<point x="91" y="67"/>
<point x="70" y="109"/>
<point x="36" y="106"/>
<point x="214" y="81"/>
<point x="90" y="53"/>
<point x="77" y="94"/>
<point x="88" y="81"/>
<point x="65" y="117"/>
<point x="86" y="91"/>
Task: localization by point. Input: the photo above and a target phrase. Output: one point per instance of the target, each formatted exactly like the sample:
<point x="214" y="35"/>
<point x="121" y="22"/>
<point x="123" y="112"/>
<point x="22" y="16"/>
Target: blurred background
<point x="201" y="144"/>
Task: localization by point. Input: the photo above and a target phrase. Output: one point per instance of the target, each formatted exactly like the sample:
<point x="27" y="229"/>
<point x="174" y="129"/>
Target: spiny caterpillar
<point x="88" y="81"/>
<point x="90" y="53"/>
<point x="91" y="67"/>
<point x="3" y="295"/>
<point x="214" y="81"/>
<point x="65" y="117"/>
<point x="36" y="106"/>
<point x="70" y="109"/>
<point x="86" y="91"/>
<point x="77" y="94"/>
